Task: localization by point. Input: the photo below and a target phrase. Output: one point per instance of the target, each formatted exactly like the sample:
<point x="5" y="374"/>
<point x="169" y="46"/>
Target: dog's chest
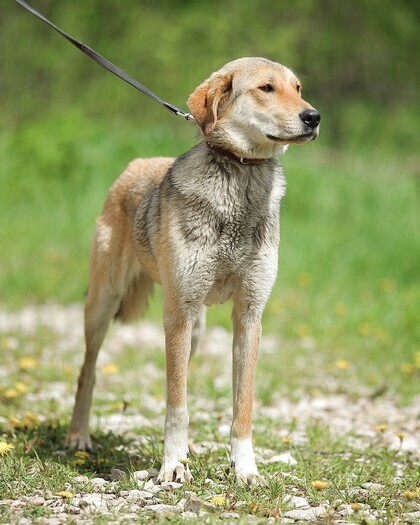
<point x="232" y="214"/>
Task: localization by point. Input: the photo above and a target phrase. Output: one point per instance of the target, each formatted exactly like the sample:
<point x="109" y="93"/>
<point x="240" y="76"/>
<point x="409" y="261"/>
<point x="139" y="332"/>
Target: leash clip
<point x="177" y="111"/>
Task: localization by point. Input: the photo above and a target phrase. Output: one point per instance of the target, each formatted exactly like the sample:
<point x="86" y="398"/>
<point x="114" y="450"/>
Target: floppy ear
<point x="205" y="100"/>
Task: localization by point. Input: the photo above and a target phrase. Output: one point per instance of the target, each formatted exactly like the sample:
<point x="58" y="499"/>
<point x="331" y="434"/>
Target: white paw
<point x="247" y="475"/>
<point x="175" y="449"/>
<point x="177" y="471"/>
<point x="243" y="461"/>
<point x="79" y="440"/>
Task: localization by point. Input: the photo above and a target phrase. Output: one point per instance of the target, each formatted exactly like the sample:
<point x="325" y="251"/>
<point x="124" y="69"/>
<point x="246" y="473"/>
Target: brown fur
<point x="205" y="227"/>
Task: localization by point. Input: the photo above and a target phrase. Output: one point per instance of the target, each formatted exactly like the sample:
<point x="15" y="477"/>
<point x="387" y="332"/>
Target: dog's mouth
<point x="305" y="137"/>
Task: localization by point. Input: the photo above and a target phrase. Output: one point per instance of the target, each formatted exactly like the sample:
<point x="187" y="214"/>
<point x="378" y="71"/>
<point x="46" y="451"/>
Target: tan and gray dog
<point x="206" y="227"/>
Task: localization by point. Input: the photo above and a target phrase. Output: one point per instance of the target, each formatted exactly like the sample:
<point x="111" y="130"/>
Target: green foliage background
<point x="350" y="231"/>
<point x="362" y="52"/>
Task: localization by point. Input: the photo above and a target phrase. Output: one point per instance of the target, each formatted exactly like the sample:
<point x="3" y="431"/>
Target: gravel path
<point x="101" y="499"/>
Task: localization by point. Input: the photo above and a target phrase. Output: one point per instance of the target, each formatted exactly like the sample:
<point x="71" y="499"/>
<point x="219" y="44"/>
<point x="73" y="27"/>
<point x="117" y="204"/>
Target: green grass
<point x="40" y="361"/>
<point x="347" y="282"/>
<point x="343" y="313"/>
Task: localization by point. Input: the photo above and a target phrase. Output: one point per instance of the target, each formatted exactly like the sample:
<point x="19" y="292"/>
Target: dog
<point x="205" y="226"/>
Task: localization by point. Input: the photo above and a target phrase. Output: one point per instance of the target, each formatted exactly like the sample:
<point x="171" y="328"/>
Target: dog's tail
<point x="135" y="300"/>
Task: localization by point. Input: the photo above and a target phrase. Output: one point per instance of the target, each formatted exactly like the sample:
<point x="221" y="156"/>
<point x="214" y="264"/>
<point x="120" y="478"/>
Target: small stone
<point x="170" y="485"/>
<point x="141" y="475"/>
<point x="412" y="517"/>
<point x="118" y="503"/>
<point x="193" y="504"/>
<point x="153" y="473"/>
<point x="99" y="483"/>
<point x="91" y="500"/>
<point x="135" y="496"/>
<point x="36" y="501"/>
<point x="129" y="518"/>
<point x="165" y="510"/>
<point x="310" y="514"/>
<point x="297" y="502"/>
<point x="375" y="487"/>
<point x="285" y="458"/>
<point x="17" y="504"/>
<point x="117" y="474"/>
<point x="81" y="479"/>
<point x="250" y="518"/>
<point x="188" y="515"/>
<point x="150" y="486"/>
<point x="358" y="493"/>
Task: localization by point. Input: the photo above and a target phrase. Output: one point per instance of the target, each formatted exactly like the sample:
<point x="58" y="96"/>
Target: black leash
<point x="108" y="65"/>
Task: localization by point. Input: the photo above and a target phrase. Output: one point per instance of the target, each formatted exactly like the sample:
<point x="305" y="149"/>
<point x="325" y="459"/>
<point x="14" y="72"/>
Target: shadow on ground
<point x="110" y="451"/>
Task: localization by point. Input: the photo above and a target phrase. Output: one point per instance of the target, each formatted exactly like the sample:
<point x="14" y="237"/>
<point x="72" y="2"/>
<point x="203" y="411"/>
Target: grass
<point x="341" y="321"/>
<point x="37" y="397"/>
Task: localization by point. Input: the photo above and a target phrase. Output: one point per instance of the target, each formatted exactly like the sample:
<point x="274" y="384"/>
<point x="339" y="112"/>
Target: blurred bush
<point x="347" y="53"/>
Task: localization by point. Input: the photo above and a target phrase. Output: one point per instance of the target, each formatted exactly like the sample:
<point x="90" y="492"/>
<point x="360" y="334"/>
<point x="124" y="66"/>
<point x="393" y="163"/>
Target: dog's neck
<point x="235" y="145"/>
<point x="229" y="154"/>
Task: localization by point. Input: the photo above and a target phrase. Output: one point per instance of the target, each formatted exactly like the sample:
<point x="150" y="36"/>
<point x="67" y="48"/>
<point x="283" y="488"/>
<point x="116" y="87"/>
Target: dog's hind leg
<point x="198" y="330"/>
<point x="99" y="311"/>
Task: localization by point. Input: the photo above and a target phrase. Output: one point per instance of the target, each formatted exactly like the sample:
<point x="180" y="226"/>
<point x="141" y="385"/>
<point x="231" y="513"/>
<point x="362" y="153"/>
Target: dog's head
<point x="254" y="108"/>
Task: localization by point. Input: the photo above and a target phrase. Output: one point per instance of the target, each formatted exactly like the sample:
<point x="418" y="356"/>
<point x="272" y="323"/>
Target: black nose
<point x="310" y="117"/>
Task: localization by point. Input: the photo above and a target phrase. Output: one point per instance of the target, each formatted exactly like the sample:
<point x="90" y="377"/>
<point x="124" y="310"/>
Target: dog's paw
<point x="247" y="474"/>
<point x="243" y="462"/>
<point x="248" y="478"/>
<point x="178" y="471"/>
<point x="79" y="440"/>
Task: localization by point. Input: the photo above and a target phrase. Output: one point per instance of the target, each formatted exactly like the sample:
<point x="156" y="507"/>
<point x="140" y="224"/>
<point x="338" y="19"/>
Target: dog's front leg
<point x="178" y="327"/>
<point x="246" y="339"/>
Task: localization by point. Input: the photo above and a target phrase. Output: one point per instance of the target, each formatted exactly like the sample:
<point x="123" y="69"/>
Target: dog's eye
<point x="267" y="88"/>
<point x="298" y="88"/>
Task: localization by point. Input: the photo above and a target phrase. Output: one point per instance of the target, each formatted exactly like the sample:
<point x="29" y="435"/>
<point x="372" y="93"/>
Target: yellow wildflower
<point x="342" y="364"/>
<point x="304" y="279"/>
<point x="64" y="494"/>
<point x="10" y="393"/>
<point x="68" y="370"/>
<point x="287" y="440"/>
<point x="5" y="448"/>
<point x="303" y="330"/>
<point x="407" y="369"/>
<point x="319" y="484"/>
<point x="340" y="309"/>
<point x="356" y="507"/>
<point x="110" y="369"/>
<point x="381" y="428"/>
<point x="411" y="494"/>
<point x="81" y="454"/>
<point x="29" y="420"/>
<point x="365" y="329"/>
<point x="27" y="363"/>
<point x="21" y="388"/>
<point x="219" y="500"/>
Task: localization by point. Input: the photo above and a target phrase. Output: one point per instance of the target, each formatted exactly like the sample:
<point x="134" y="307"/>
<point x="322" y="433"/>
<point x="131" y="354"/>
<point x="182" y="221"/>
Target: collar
<point x="230" y="155"/>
